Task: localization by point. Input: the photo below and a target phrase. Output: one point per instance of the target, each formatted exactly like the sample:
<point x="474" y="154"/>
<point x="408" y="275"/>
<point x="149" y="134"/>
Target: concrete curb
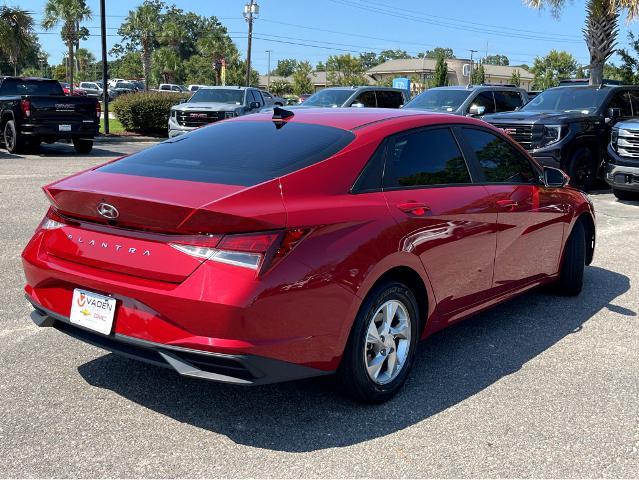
<point x="126" y="139"/>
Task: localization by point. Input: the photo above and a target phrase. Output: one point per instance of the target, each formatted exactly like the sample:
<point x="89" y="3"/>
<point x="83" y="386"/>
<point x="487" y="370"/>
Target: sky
<point x="313" y="30"/>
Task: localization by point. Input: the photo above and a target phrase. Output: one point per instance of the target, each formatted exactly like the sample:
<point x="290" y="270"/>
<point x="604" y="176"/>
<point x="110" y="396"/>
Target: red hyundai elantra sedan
<point x="264" y="249"/>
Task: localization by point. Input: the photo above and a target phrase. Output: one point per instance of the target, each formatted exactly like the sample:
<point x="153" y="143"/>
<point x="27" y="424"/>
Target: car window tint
<point x="16" y="86"/>
<point x="621" y="101"/>
<point x="428" y="157"/>
<point x="367" y="99"/>
<point x="484" y="99"/>
<point x="370" y="179"/>
<point x="389" y="99"/>
<point x="499" y="160"/>
<point x="220" y="153"/>
<point x="507" y="100"/>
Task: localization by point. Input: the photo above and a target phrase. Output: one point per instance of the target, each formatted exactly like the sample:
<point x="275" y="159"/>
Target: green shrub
<point x="146" y="113"/>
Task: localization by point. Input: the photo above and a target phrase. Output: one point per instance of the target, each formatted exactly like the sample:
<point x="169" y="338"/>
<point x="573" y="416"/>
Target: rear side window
<point x="389" y="99"/>
<point x="14" y="86"/>
<point x="236" y="153"/>
<point x="499" y="160"/>
<point x="507" y="101"/>
<point x="428" y="157"/>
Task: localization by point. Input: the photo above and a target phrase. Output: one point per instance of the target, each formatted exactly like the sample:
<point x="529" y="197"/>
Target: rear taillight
<point x="25" y="106"/>
<point x="98" y="109"/>
<point x="257" y="251"/>
<point x="51" y="221"/>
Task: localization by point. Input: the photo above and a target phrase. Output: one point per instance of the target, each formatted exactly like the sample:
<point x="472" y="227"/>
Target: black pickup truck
<point x="569" y="127"/>
<point x="35" y="110"/>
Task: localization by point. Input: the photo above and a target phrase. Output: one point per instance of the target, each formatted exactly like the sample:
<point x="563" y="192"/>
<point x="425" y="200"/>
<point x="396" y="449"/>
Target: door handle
<point x="507" y="204"/>
<point x="414" y="208"/>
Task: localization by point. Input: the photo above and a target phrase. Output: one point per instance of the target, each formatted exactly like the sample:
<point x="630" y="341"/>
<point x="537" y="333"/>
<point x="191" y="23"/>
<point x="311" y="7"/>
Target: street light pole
<point x="251" y="11"/>
<point x="268" y="73"/>
<point x="472" y="66"/>
<point x="105" y="74"/>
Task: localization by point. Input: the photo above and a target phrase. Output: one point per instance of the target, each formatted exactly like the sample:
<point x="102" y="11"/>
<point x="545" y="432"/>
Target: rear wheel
<point x="572" y="270"/>
<point x="625" y="195"/>
<point x="13" y="141"/>
<point x="381" y="347"/>
<point x="82" y="145"/>
<point x="582" y="168"/>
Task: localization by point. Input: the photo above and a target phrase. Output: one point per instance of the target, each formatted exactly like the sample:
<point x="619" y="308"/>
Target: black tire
<point x="13" y="141"/>
<point x="82" y="145"/>
<point x="352" y="373"/>
<point x="582" y="168"/>
<point x="571" y="275"/>
<point x="625" y="195"/>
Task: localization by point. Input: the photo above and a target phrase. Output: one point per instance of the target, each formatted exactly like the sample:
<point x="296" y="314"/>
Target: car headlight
<point x="551" y="134"/>
<point x="614" y="137"/>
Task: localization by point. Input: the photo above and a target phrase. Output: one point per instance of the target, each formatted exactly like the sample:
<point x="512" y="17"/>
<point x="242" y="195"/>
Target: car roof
<point x="224" y="87"/>
<point x="350" y="118"/>
<point x="477" y="87"/>
<point x="595" y="87"/>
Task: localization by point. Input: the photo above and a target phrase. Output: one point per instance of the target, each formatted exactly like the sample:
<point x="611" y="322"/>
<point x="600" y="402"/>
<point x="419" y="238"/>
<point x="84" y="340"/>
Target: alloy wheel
<point x="387" y="342"/>
<point x="9" y="138"/>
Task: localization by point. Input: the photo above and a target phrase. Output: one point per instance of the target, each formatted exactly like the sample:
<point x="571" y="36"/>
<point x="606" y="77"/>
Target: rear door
<point x="448" y="220"/>
<point x="530" y="217"/>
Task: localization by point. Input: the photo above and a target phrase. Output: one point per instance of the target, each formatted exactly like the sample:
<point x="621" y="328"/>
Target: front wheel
<point x="381" y="348"/>
<point x="582" y="168"/>
<point x="82" y="145"/>
<point x="571" y="276"/>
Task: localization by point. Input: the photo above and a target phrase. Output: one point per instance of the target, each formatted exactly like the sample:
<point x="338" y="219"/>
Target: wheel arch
<point x="587" y="221"/>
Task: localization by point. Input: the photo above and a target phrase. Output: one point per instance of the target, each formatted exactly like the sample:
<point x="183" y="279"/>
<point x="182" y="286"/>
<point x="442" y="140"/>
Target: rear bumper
<point x="78" y="130"/>
<point x="246" y="370"/>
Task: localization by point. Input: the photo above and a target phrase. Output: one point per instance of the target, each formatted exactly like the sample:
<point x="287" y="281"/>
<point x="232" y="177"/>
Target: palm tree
<point x="71" y="13"/>
<point x="84" y="59"/>
<point x="16" y="33"/>
<point x="167" y="63"/>
<point x="141" y="27"/>
<point x="600" y="31"/>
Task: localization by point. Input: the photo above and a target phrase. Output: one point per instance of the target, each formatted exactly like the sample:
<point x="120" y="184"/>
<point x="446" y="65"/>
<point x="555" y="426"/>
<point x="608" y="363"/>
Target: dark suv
<point x="473" y="100"/>
<point x="569" y="127"/>
<point x="622" y="163"/>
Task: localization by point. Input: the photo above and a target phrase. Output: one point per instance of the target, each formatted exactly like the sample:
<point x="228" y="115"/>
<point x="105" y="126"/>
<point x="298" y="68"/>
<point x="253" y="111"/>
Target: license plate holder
<point x="92" y="311"/>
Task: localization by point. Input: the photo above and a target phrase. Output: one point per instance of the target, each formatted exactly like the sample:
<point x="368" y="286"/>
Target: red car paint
<point x="472" y="246"/>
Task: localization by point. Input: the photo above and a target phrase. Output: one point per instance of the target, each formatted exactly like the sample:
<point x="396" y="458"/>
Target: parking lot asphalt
<point x="542" y="386"/>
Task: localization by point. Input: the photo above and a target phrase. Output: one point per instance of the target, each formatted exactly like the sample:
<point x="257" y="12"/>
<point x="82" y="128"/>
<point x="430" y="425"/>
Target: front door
<point x="447" y="220"/>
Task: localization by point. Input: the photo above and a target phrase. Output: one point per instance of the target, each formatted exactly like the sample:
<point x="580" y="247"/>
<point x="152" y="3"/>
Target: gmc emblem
<point x="198" y="115"/>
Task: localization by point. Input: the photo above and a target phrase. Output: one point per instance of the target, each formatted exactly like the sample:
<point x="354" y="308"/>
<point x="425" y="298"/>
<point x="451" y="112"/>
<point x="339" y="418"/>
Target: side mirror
<point x="254" y="105"/>
<point x="476" y="110"/>
<point x="357" y="105"/>
<point x="554" y="178"/>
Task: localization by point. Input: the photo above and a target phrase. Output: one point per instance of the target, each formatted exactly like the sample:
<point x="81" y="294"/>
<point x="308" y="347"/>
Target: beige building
<point x="420" y="70"/>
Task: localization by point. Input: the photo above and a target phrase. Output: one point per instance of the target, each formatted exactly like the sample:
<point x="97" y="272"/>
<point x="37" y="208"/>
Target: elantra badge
<point x="108" y="211"/>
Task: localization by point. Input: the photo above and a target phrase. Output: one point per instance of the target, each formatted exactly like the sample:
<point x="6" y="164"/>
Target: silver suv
<point x="211" y="104"/>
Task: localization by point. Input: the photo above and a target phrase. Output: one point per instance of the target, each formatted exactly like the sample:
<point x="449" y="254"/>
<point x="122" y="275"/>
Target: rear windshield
<point x="236" y="153"/>
<point x="15" y="86"/>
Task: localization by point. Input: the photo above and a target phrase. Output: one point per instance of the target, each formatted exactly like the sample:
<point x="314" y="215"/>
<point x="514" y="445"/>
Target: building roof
<point x="418" y="65"/>
<point x="317" y="78"/>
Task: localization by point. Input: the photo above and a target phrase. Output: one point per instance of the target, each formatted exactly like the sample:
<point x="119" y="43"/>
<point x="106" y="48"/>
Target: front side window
<point x="439" y="100"/>
<point x="507" y="101"/>
<point x="428" y="157"/>
<point x="484" y="99"/>
<point x="328" y="98"/>
<point x="621" y="101"/>
<point x="367" y="99"/>
<point x="499" y="161"/>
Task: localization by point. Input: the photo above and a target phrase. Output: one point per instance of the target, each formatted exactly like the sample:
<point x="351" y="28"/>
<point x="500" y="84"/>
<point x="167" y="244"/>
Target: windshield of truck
<point x="218" y="95"/>
<point x="567" y="99"/>
<point x="441" y="100"/>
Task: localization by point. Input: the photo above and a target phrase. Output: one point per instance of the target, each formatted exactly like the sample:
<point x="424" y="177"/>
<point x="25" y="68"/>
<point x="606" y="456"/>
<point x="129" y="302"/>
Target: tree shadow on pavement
<point x="311" y="414"/>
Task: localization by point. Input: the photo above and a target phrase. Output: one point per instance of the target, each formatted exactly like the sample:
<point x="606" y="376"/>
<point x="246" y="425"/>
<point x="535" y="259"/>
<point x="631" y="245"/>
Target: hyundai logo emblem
<point x="108" y="211"/>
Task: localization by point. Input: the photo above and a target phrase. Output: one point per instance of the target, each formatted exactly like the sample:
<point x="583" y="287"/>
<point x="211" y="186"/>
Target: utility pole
<point x="105" y="73"/>
<point x="251" y="11"/>
<point x="268" y="73"/>
<point x="472" y="66"/>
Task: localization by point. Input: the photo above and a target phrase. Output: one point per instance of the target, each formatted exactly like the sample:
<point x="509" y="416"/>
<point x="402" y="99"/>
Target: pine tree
<point x="440" y="77"/>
